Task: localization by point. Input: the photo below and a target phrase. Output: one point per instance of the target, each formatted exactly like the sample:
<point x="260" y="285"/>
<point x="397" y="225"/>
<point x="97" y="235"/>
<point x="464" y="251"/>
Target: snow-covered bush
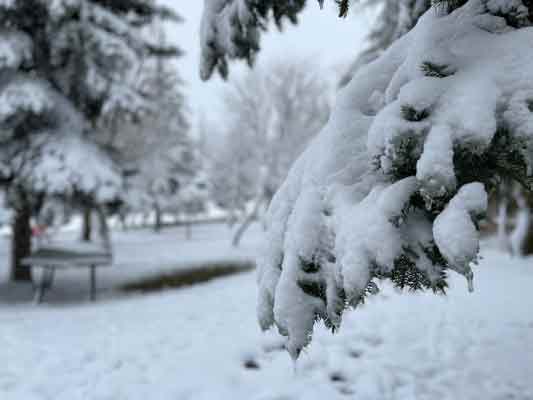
<point x="394" y="185"/>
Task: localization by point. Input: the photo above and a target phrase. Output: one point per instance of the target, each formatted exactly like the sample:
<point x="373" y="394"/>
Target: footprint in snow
<point x="251" y="364"/>
<point x="354" y="353"/>
<point x="337" y="377"/>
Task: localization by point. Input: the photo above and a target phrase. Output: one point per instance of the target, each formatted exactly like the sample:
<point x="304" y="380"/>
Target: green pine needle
<point x="433" y="70"/>
<point x="344" y="7"/>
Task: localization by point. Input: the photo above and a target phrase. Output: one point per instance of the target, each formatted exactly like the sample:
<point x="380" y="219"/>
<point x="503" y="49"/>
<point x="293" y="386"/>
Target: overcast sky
<point x="321" y="36"/>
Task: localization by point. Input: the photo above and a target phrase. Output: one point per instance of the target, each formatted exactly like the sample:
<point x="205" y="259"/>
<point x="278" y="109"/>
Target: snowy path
<point x="194" y="344"/>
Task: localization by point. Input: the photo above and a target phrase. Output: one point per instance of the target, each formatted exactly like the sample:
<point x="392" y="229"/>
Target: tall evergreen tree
<point x="61" y="69"/>
<point x="158" y="148"/>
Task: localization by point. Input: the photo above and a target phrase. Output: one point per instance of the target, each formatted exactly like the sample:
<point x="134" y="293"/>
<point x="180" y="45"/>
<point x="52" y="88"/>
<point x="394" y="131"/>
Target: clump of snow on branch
<point x="69" y="164"/>
<point x="395" y="183"/>
<point x="58" y="160"/>
<point x="454" y="231"/>
<point x="15" y="49"/>
<point x="23" y="95"/>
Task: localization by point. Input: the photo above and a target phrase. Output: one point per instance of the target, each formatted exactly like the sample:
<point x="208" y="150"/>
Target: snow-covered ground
<point x="138" y="254"/>
<point x="203" y="342"/>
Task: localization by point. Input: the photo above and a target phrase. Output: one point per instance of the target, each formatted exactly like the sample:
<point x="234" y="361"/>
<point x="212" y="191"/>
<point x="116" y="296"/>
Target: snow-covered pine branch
<point x="53" y="158"/>
<point x="231" y="29"/>
<point x="394" y="185"/>
<point x="104" y="50"/>
<point x="395" y="18"/>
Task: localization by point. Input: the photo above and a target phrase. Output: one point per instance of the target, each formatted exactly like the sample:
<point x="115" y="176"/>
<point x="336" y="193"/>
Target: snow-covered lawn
<point x="138" y="254"/>
<point x="203" y="342"/>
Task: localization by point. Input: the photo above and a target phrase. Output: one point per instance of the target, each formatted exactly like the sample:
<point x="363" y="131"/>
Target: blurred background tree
<point x="272" y="115"/>
<point x="66" y="66"/>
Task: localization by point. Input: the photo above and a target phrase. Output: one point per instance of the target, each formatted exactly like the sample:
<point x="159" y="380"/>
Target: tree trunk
<point x="246" y="224"/>
<point x="103" y="229"/>
<point x="528" y="242"/>
<point x="145" y="219"/>
<point x="522" y="225"/>
<point x="503" y="238"/>
<point x="86" y="232"/>
<point x="123" y="218"/>
<point x="21" y="243"/>
<point x="231" y="219"/>
<point x="240" y="232"/>
<point x="529" y="5"/>
<point x="158" y="223"/>
<point x="188" y="230"/>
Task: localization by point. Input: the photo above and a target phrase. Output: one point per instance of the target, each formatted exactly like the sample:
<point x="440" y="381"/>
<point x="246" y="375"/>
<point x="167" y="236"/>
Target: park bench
<point x="50" y="258"/>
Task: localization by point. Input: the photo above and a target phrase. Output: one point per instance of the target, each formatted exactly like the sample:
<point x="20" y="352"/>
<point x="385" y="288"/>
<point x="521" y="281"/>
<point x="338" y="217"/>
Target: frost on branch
<point x="394" y="185"/>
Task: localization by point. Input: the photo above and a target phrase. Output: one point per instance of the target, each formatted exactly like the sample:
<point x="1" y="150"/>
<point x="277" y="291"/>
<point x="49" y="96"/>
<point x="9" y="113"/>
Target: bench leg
<point x="47" y="277"/>
<point x="50" y="277"/>
<point x="38" y="294"/>
<point x="93" y="283"/>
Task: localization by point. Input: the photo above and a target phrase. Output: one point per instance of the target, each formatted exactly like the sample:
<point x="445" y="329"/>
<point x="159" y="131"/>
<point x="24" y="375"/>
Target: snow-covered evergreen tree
<point x="61" y="69"/>
<point x="158" y="149"/>
<point x="395" y="184"/>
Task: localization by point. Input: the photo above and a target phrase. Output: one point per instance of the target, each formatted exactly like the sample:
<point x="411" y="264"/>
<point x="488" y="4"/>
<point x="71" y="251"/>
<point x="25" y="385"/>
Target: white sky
<point x="320" y="36"/>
